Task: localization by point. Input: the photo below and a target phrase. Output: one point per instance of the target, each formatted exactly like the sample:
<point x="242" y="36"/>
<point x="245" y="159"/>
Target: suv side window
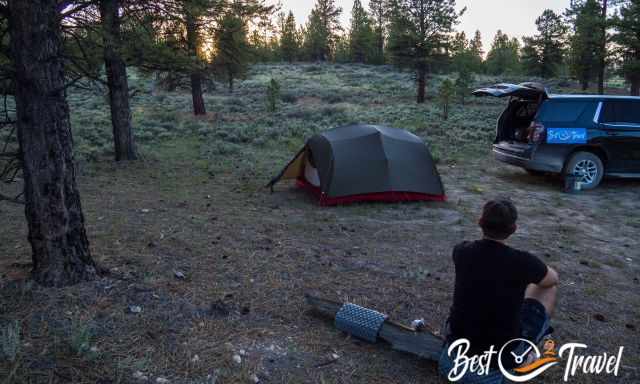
<point x="623" y="112"/>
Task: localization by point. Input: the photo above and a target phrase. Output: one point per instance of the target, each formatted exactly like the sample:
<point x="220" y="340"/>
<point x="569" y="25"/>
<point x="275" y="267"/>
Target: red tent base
<point x="388" y="197"/>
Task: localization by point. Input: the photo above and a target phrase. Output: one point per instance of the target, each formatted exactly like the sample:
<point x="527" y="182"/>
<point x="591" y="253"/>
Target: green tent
<point x="365" y="163"/>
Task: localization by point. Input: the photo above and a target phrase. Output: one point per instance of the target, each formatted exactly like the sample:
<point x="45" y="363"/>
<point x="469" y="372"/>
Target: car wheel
<point x="587" y="168"/>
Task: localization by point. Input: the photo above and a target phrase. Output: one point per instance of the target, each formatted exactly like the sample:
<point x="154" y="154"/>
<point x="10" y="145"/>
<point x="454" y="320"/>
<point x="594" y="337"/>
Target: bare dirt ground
<point x="248" y="256"/>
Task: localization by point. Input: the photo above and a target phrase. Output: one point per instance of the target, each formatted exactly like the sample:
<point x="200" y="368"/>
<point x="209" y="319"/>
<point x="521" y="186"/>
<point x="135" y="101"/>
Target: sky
<point x="514" y="17"/>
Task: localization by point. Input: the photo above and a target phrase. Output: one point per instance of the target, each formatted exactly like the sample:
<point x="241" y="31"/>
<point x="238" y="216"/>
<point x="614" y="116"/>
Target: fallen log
<point x="402" y="338"/>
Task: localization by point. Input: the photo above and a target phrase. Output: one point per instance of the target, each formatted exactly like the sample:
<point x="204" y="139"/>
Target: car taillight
<point x="536" y="132"/>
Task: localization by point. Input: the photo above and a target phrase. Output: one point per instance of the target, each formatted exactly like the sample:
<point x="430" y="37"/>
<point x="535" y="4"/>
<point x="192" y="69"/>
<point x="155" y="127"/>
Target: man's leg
<point x="546" y="296"/>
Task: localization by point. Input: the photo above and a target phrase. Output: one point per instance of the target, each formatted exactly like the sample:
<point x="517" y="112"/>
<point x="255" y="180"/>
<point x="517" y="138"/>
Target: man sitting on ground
<point x="501" y="294"/>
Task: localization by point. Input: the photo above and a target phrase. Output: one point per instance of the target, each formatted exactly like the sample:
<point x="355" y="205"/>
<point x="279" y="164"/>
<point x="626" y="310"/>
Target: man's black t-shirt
<point x="491" y="279"/>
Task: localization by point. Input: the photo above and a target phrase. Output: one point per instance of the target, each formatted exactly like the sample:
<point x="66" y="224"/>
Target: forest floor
<point x="194" y="207"/>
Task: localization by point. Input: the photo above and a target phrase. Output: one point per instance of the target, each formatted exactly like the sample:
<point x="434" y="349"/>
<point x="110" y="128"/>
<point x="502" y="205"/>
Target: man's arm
<point x="550" y="279"/>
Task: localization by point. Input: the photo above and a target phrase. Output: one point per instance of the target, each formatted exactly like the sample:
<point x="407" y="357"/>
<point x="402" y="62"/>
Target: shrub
<point x="273" y="95"/>
<point x="288" y="97"/>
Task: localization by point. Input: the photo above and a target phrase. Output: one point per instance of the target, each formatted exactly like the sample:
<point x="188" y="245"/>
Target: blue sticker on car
<point x="567" y="135"/>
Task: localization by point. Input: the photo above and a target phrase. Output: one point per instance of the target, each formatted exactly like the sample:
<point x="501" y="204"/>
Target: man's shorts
<point x="534" y="326"/>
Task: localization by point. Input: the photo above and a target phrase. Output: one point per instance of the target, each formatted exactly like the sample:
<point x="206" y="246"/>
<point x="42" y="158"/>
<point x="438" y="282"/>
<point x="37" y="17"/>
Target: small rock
<point x="140" y="376"/>
<point x="237" y="359"/>
<point x="162" y="380"/>
<point x="242" y="352"/>
<point x="335" y="356"/>
<point x="135" y="309"/>
<point x="584" y="262"/>
<point x="179" y="275"/>
<point x="255" y="379"/>
<point x="94" y="349"/>
<point x="145" y="210"/>
<point x="631" y="327"/>
<point x="599" y="317"/>
<point x="195" y="359"/>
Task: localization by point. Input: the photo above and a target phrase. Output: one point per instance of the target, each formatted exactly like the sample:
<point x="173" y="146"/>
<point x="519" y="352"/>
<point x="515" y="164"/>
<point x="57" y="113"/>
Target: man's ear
<point x="514" y="228"/>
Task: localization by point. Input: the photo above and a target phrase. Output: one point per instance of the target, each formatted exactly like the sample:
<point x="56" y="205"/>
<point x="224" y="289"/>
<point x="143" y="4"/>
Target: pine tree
<point x="233" y="50"/>
<point x="289" y="43"/>
<point x="627" y="37"/>
<point x="445" y="92"/>
<point x="60" y="248"/>
<point x="462" y="84"/>
<point x="342" y="49"/>
<point x="361" y="38"/>
<point x="378" y="10"/>
<point x="548" y="45"/>
<point x="461" y="57"/>
<point x="503" y="57"/>
<point x="419" y="33"/>
<point x="584" y="44"/>
<point x="322" y="30"/>
<point x="477" y="53"/>
<point x="273" y="95"/>
<point x="116" y="68"/>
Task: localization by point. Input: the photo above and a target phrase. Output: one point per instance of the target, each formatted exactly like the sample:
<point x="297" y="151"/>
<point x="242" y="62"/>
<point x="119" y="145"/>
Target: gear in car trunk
<point x="524" y="101"/>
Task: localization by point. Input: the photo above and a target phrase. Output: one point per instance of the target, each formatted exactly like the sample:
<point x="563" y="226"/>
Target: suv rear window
<point x="562" y="111"/>
<point x="621" y="111"/>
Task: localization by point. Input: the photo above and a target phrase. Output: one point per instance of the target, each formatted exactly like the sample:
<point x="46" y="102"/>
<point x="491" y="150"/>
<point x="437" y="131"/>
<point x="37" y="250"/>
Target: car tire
<point x="586" y="166"/>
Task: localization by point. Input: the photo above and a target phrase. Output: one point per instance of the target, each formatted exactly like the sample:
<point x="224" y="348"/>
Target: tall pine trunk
<point x="196" y="76"/>
<point x="635" y="86"/>
<point x="584" y="84"/>
<point x="603" y="49"/>
<point x="60" y="249"/>
<point x="422" y="83"/>
<point x="123" y="141"/>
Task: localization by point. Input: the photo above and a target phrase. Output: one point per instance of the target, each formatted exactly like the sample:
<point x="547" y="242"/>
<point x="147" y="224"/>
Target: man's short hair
<point x="498" y="219"/>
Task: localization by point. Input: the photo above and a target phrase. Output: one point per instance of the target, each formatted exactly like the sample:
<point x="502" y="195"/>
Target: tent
<point x="365" y="163"/>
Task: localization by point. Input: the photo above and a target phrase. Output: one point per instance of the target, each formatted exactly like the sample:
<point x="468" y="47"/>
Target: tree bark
<point x="196" y="76"/>
<point x="585" y="84"/>
<point x="422" y="83"/>
<point x="123" y="141"/>
<point x="635" y="87"/>
<point x="603" y="49"/>
<point x="60" y="249"/>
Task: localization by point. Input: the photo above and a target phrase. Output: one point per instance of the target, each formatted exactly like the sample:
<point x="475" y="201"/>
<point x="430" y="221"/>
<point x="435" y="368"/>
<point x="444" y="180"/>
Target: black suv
<point x="585" y="136"/>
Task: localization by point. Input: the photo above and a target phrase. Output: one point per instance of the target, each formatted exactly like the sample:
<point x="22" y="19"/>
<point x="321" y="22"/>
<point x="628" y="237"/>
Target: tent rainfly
<point x="365" y="163"/>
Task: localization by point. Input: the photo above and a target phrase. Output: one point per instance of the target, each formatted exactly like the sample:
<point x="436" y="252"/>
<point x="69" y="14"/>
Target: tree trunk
<point x="196" y="76"/>
<point x="60" y="249"/>
<point x="381" y="45"/>
<point x="124" y="145"/>
<point x="585" y="84"/>
<point x="422" y="83"/>
<point x="196" y="94"/>
<point x="635" y="87"/>
<point x="603" y="49"/>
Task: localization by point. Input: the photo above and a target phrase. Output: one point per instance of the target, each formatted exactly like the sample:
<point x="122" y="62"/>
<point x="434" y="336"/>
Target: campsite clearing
<point x="195" y="206"/>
